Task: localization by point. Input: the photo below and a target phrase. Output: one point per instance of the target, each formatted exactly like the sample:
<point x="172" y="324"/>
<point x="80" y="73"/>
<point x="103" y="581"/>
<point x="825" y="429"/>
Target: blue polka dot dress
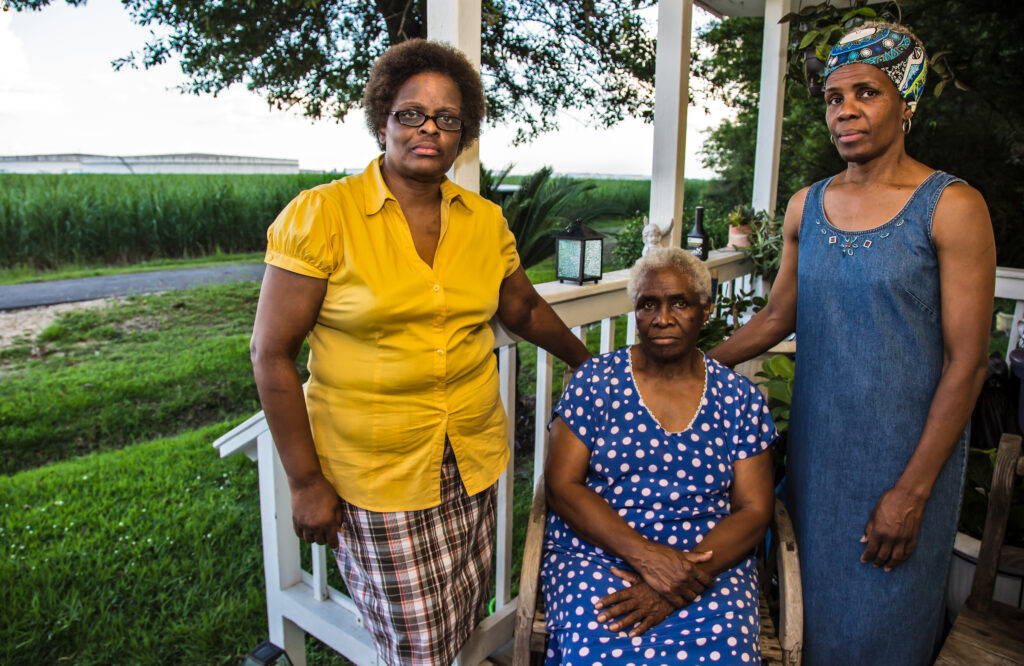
<point x="671" y="487"/>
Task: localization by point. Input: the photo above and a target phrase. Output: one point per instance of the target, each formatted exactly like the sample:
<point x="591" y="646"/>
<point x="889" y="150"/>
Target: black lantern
<point x="266" y="654"/>
<point x="579" y="253"/>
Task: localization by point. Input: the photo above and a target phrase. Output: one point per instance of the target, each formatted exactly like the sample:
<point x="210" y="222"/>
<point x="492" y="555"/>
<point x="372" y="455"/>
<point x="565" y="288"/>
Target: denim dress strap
<point x="869" y="358"/>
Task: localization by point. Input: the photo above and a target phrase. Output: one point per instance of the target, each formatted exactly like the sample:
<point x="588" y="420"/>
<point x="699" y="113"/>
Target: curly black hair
<point x="418" y="56"/>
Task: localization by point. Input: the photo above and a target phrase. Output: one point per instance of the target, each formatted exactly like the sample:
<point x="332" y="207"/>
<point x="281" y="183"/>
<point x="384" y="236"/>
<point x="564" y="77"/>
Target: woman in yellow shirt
<point x="393" y="452"/>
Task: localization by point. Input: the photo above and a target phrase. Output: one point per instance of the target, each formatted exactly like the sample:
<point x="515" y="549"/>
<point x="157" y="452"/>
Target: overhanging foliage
<point x="537" y="57"/>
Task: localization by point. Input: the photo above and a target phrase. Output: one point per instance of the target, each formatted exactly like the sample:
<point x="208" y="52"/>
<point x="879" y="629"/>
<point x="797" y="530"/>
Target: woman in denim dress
<point x="887" y="277"/>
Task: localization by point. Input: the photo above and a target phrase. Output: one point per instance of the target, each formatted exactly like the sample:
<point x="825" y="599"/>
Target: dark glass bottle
<point x="697" y="241"/>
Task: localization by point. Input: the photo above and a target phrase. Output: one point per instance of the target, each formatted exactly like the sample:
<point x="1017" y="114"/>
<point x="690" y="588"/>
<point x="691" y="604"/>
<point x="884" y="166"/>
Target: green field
<point x="80" y="224"/>
<point x="48" y="221"/>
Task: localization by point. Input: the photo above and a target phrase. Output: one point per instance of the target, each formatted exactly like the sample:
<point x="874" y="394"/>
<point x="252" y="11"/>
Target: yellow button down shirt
<point x="401" y="353"/>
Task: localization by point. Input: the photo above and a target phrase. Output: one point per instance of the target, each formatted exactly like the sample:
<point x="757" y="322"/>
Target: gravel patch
<point x="28" y="322"/>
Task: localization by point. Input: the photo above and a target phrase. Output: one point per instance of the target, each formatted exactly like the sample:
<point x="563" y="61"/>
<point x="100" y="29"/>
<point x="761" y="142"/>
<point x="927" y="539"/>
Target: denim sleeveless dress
<point x="869" y="358"/>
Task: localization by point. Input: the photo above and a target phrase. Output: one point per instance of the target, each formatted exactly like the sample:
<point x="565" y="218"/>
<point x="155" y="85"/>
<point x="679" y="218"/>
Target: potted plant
<point x="740" y="228"/>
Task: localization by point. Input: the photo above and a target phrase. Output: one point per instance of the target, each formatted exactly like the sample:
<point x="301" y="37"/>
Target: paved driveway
<point x="84" y="289"/>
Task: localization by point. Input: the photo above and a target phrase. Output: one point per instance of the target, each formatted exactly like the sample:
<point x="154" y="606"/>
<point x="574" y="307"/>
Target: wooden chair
<point x="780" y="647"/>
<point x="987" y="632"/>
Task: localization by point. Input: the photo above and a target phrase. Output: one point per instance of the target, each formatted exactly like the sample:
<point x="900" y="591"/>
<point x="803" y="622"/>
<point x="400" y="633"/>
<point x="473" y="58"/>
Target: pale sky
<point x="59" y="94"/>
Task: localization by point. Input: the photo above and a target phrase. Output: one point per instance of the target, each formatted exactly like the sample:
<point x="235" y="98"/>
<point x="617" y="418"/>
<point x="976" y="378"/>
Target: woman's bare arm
<point x="287" y="310"/>
<point x="530" y="317"/>
<point x="778" y="318"/>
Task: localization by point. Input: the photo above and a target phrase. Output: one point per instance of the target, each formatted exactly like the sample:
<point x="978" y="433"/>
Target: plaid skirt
<point x="421" y="578"/>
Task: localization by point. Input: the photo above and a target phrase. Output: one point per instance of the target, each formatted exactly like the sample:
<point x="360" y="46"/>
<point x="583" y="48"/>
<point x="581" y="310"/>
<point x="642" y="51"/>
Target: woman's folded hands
<point x="668" y="579"/>
<point x="674" y="573"/>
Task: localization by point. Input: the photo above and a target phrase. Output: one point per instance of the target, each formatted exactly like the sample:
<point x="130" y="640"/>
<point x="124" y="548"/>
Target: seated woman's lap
<point x="721" y="626"/>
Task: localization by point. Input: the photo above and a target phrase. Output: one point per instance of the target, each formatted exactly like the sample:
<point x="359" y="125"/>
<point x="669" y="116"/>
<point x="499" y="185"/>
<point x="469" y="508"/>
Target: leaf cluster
<point x="765" y="249"/>
<point x="542" y="206"/>
<point x="629" y="242"/>
<point x="729" y="314"/>
<point x="816" y="28"/>
<point x="777" y="373"/>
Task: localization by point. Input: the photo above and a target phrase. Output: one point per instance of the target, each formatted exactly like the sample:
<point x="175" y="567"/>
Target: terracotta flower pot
<point x="740" y="236"/>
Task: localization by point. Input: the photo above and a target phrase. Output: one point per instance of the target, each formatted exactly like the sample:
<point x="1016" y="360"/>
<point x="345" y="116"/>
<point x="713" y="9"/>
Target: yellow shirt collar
<point x="377" y="192"/>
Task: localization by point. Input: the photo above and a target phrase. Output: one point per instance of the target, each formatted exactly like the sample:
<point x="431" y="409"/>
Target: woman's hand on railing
<point x="673" y="573"/>
<point x="635" y="608"/>
<point x="316" y="512"/>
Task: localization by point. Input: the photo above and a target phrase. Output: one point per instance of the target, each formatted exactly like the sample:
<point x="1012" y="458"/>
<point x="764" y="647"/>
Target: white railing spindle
<point x="503" y="551"/>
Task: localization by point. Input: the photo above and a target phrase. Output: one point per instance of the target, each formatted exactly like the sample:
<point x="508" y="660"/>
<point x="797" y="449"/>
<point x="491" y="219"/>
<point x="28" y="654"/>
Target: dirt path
<point x="28" y="322"/>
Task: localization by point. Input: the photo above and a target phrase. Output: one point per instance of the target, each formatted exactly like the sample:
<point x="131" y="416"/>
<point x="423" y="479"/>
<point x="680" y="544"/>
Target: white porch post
<point x="458" y="23"/>
<point x="671" y="98"/>
<point x="769" y="115"/>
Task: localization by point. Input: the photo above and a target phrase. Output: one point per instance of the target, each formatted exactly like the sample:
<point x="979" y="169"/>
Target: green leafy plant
<point x="939" y="64"/>
<point x="629" y="242"/>
<point x="776" y="378"/>
<point x="48" y="221"/>
<point x="765" y="250"/>
<point x="491" y="181"/>
<point x="815" y="29"/>
<point x="740" y="216"/>
<point x="777" y="373"/>
<point x="542" y="206"/>
<point x="727" y="317"/>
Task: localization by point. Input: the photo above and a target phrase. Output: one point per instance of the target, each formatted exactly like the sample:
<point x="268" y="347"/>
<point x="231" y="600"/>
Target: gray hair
<point x="676" y="258"/>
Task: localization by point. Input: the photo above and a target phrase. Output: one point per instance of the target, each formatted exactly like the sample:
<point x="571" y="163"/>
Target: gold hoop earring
<point x="907" y="123"/>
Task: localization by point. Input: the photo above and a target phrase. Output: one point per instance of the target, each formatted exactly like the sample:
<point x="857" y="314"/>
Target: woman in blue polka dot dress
<point x="658" y="492"/>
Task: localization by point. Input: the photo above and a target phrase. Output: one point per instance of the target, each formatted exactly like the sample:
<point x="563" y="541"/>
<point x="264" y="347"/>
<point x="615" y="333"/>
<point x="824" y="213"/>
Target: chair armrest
<point x="1003" y="479"/>
<point x="529" y="576"/>
<point x="791" y="600"/>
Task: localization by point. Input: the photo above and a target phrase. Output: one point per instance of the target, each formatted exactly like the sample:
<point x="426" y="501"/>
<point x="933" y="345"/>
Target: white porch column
<point x="671" y="98"/>
<point x="769" y="115"/>
<point x="458" y="23"/>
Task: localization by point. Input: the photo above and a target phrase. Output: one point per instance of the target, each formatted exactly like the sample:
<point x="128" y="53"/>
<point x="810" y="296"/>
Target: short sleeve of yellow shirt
<point x="401" y="354"/>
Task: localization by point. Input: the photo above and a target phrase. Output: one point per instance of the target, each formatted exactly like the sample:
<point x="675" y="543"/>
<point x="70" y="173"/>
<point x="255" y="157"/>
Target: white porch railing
<point x="1010" y="284"/>
<point x="301" y="601"/>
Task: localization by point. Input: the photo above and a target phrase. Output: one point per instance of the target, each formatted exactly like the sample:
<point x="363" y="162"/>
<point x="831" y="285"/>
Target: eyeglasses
<point x="411" y="118"/>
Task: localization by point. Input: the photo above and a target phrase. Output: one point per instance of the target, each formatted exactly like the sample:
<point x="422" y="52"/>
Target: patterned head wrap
<point x="897" y="53"/>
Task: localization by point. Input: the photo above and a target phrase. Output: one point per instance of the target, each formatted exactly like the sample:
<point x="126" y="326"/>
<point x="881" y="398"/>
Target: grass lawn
<point x="149" y="366"/>
<point x="147" y="555"/>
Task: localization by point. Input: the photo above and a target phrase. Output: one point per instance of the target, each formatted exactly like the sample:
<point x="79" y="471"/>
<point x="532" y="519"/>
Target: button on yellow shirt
<point x="401" y="353"/>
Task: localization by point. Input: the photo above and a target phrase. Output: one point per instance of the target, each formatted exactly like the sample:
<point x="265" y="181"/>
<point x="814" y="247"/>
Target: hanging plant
<point x="939" y="65"/>
<point x="815" y="29"/>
